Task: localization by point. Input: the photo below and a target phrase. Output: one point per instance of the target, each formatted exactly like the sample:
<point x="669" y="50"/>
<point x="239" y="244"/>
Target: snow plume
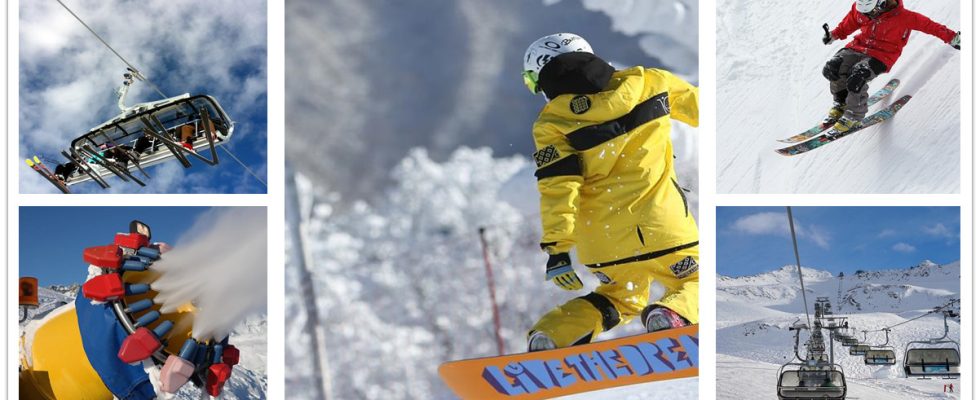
<point x="220" y="267"/>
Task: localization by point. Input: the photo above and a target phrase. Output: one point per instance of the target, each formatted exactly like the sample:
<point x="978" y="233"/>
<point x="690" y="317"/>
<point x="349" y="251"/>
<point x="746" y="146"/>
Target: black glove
<point x="859" y="76"/>
<point x="559" y="270"/>
<point x="956" y="41"/>
<point x="827" y="39"/>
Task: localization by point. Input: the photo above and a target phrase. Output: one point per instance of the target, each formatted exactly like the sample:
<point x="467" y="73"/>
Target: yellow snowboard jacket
<point x="606" y="173"/>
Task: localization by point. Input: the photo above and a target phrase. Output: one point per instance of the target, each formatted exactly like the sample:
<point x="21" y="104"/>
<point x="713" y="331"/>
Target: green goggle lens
<point x="531" y="81"/>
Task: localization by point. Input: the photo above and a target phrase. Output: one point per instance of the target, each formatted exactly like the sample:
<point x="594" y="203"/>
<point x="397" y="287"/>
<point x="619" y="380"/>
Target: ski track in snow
<point x="755" y="311"/>
<point x="770" y="87"/>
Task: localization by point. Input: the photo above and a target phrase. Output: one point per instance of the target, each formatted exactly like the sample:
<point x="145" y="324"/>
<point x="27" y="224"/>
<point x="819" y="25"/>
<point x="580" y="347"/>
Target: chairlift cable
<point x="147" y="80"/>
<point x="244" y="166"/>
<point x="938" y="309"/>
<point x="129" y="64"/>
<point x="796" y="250"/>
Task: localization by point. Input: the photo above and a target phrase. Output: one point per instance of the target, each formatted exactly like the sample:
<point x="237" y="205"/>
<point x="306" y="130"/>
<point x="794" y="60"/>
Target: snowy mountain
<point x="248" y="379"/>
<point x="755" y="312"/>
<point x="770" y="87"/>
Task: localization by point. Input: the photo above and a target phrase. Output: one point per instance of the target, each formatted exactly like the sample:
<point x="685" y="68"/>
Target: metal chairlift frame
<point x="805" y="370"/>
<point x="951" y="370"/>
<point x="874" y="355"/>
<point x="142" y="120"/>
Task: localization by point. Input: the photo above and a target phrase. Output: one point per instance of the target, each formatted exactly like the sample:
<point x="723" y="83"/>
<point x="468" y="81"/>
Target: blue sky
<point x="837" y="239"/>
<point x="68" y="78"/>
<point x="52" y="238"/>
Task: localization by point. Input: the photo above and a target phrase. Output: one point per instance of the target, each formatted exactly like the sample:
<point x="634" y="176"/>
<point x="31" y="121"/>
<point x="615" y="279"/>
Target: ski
<point x="868" y="121"/>
<point x="649" y="357"/>
<point x="826" y="124"/>
<point x="39" y="166"/>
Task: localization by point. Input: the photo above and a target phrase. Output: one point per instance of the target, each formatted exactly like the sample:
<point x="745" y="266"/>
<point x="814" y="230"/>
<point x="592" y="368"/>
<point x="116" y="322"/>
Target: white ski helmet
<point x="867" y="6"/>
<point x="544" y="49"/>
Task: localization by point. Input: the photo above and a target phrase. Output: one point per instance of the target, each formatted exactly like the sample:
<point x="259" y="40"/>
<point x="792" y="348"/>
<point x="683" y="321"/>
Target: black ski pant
<point x="849" y="73"/>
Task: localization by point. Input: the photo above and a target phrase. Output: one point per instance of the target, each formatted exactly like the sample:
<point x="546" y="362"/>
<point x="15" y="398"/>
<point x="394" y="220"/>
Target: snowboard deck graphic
<point x="816" y="130"/>
<point x="649" y="357"/>
<point x="869" y="121"/>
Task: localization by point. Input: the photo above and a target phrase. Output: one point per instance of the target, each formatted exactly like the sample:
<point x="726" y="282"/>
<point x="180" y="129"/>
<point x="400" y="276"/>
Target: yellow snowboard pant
<point x="622" y="295"/>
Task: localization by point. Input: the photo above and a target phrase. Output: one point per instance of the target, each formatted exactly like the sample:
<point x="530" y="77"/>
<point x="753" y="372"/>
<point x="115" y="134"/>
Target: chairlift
<point x="815" y="377"/>
<point x="934" y="358"/>
<point x="882" y="354"/>
<point x="859" y="350"/>
<point x="143" y="135"/>
<point x="802" y="381"/>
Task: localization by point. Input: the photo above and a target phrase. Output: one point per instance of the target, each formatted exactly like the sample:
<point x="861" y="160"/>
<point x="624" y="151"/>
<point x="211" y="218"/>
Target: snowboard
<point x="868" y="121"/>
<point x="826" y="124"/>
<point x="649" y="357"/>
<point x="39" y="166"/>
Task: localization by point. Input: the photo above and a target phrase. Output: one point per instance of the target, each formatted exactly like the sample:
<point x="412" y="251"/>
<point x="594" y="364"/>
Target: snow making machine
<point x="934" y="358"/>
<point x="143" y="135"/>
<point x="118" y="341"/>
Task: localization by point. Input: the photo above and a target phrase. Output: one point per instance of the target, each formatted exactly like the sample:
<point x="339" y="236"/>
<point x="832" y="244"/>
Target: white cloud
<point x="67" y="78"/>
<point x="903" y="247"/>
<point x="887" y="233"/>
<point x="939" y="230"/>
<point x="774" y="223"/>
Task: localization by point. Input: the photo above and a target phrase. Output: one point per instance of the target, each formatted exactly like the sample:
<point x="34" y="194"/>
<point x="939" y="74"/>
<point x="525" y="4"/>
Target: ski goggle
<point x="531" y="81"/>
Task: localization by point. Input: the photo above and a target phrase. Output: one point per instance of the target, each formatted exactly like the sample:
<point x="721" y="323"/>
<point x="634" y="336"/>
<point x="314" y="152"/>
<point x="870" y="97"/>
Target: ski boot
<point x="539" y="341"/>
<point x="835" y="113"/>
<point x="658" y="318"/>
<point x="844" y="124"/>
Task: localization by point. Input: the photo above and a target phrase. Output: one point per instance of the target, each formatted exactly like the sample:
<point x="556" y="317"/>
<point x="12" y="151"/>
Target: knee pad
<point x="831" y="70"/>
<point x="858" y="78"/>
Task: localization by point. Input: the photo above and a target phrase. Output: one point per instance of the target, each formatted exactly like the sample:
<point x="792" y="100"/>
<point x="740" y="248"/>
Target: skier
<point x="885" y="29"/>
<point x="608" y="188"/>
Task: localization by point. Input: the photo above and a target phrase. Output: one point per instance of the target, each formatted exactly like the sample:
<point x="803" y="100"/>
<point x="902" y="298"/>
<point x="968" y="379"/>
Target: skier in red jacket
<point x="885" y="27"/>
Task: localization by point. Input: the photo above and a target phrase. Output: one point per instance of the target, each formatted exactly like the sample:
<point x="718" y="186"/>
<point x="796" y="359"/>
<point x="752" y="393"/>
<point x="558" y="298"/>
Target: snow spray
<point x="219" y="266"/>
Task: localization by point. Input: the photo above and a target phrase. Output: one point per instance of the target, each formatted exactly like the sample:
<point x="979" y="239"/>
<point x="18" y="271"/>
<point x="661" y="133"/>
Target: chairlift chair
<point x="882" y="354"/>
<point x="143" y="135"/>
<point x="148" y="134"/>
<point x="802" y="381"/>
<point x="933" y="358"/>
<point x="859" y="350"/>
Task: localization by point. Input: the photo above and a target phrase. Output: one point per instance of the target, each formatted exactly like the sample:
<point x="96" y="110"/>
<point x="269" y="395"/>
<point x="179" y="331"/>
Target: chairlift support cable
<point x="143" y="77"/>
<point x="796" y="251"/>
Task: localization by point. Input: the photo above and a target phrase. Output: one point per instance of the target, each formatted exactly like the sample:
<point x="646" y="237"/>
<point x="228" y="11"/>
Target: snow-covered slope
<point x="770" y="87"/>
<point x="248" y="379"/>
<point x="755" y="312"/>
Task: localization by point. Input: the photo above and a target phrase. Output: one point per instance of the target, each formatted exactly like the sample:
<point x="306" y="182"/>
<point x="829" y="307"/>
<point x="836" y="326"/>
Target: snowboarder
<point x="885" y="27"/>
<point x="605" y="170"/>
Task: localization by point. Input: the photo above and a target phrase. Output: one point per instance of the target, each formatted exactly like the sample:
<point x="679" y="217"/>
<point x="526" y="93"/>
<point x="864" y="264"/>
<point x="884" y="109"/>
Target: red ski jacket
<point x="884" y="37"/>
